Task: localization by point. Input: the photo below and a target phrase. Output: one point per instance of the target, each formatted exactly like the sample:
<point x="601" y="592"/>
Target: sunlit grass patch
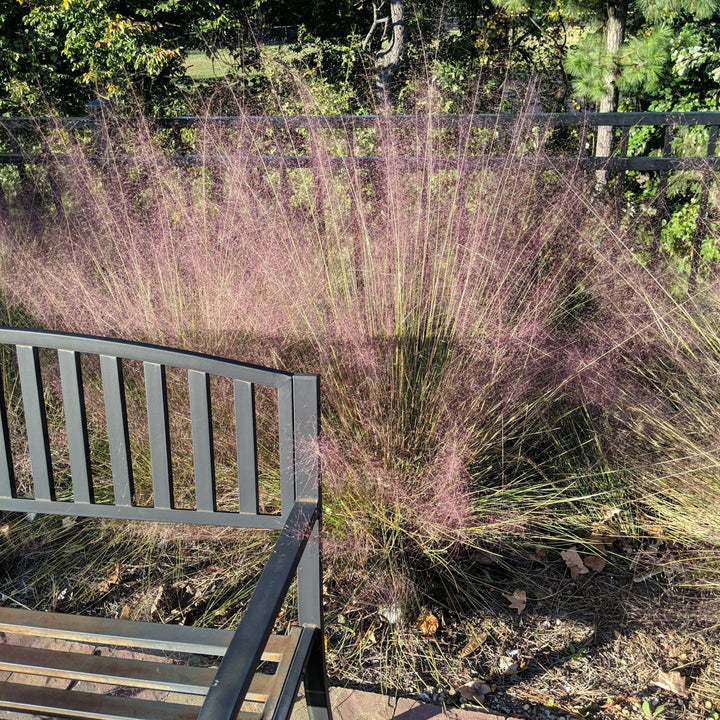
<point x="201" y="67"/>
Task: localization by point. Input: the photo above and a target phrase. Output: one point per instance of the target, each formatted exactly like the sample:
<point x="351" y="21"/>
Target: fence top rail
<point x="341" y="122"/>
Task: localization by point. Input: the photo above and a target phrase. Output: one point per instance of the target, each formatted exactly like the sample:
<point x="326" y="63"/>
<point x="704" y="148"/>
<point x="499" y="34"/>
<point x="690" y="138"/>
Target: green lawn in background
<point x="201" y="67"/>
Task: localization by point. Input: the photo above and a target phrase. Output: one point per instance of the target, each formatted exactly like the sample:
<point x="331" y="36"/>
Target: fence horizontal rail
<point x="524" y="141"/>
<point x="291" y="162"/>
<point x="341" y="122"/>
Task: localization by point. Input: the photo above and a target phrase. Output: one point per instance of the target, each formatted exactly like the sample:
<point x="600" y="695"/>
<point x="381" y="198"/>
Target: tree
<point x="393" y="48"/>
<point x="625" y="49"/>
<point x="62" y="53"/>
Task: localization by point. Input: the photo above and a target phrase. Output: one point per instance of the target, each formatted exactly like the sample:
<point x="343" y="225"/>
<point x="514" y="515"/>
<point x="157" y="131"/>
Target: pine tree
<point x="626" y="49"/>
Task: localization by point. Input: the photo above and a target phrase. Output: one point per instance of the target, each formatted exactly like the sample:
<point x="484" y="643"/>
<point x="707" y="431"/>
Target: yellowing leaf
<point x="427" y="624"/>
<point x="671" y="681"/>
<point x="574" y="562"/>
<point x="473" y="644"/>
<point x="518" y="600"/>
<point x="594" y="562"/>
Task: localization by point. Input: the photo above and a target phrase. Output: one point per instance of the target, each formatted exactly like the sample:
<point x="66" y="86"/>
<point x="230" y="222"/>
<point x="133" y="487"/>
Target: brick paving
<point x="347" y="704"/>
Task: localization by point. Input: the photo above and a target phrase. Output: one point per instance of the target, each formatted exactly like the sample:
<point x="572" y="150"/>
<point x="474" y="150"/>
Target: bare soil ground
<point x="620" y="643"/>
<point x="631" y="640"/>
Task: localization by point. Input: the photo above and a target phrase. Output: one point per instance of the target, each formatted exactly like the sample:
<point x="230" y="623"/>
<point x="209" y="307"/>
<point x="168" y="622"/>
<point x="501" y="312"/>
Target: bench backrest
<point x="297" y="428"/>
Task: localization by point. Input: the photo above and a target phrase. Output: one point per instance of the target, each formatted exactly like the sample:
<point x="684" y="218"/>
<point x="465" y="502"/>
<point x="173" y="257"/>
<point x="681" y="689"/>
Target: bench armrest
<point x="233" y="677"/>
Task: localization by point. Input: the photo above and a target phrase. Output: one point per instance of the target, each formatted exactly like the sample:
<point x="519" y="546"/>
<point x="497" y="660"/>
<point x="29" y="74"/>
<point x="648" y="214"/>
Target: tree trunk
<point x="614" y="37"/>
<point x="387" y="60"/>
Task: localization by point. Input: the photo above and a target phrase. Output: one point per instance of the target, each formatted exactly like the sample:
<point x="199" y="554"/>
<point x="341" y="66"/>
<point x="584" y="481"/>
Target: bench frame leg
<point x="317" y="691"/>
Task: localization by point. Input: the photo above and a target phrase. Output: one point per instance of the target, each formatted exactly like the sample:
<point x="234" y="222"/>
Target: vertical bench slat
<point x="245" y="442"/>
<point x="76" y="425"/>
<point x="36" y="421"/>
<point x="7" y="472"/>
<point x="287" y="455"/>
<point x="202" y="438"/>
<point x="159" y="432"/>
<point x="117" y="428"/>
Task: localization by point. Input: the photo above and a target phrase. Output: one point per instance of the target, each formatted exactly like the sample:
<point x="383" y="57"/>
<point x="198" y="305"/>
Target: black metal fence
<point x="561" y="142"/>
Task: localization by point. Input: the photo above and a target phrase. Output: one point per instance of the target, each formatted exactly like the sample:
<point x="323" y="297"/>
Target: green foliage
<point x="60" y="54"/>
<point x="589" y="64"/>
<point x="643" y="61"/>
<point x="691" y="83"/>
<point x="693" y="78"/>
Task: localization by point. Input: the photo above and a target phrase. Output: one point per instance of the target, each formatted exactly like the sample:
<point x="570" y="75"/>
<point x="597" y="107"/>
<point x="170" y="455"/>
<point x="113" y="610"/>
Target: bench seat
<point x="111" y="657"/>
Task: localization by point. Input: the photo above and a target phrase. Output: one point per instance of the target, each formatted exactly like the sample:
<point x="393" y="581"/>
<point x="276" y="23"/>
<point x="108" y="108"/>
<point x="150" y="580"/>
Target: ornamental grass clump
<point x="490" y="350"/>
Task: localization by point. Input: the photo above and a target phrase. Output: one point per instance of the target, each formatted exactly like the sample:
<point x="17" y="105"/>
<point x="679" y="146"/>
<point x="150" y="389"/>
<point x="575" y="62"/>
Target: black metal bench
<point x="224" y="692"/>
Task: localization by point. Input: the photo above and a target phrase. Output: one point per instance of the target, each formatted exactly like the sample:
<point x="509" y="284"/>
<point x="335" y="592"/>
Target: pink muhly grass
<point x="450" y="321"/>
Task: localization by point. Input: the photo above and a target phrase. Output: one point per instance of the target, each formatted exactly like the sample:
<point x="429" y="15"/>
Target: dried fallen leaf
<point x="539" y="555"/>
<point x="113" y="579"/>
<point x="601" y="539"/>
<point x="473" y="644"/>
<point x="392" y="613"/>
<point x="427" y="624"/>
<point x="518" y="600"/>
<point x="156" y="601"/>
<point x="574" y="562"/>
<point x="671" y="681"/>
<point x="369" y="636"/>
<point x="508" y="666"/>
<point x="609" y="514"/>
<point x="125" y="613"/>
<point x="474" y="691"/>
<point x="594" y="562"/>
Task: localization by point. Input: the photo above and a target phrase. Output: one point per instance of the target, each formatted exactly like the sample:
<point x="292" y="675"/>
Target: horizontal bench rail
<point x="75" y="704"/>
<point x="146" y="353"/>
<point x="105" y="631"/>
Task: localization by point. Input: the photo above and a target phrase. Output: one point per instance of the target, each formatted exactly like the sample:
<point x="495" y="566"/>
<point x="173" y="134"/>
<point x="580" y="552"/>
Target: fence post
<point x="662" y="198"/>
<point x="99" y="113"/>
<point x="701" y="221"/>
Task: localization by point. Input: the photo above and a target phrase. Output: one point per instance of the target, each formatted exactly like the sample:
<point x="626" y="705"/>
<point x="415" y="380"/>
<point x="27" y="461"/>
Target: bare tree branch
<point x="376" y="21"/>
